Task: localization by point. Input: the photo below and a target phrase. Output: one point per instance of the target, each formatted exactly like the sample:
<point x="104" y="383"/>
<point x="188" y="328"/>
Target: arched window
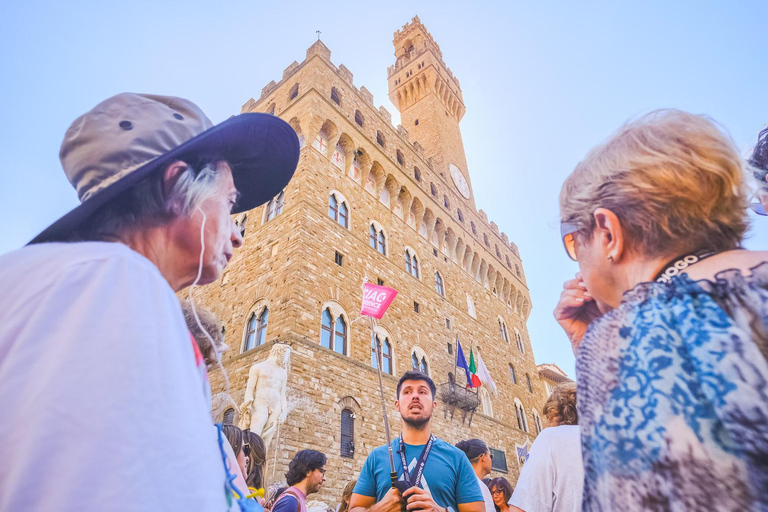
<point x="380" y="138"/>
<point x="460" y="215"/>
<point x="378" y="240"/>
<point x="419" y="360"/>
<point x="275" y="206"/>
<point x="528" y="381"/>
<point x="241" y="222"/>
<point x="335" y="96"/>
<point x="338" y="210"/>
<point x="333" y="332"/>
<point x="294" y="92"/>
<point x="485" y="400"/>
<point x="433" y="189"/>
<point x="512" y="374"/>
<point x="439" y="284"/>
<point x="414" y="362"/>
<point x="519" y="340"/>
<point x="485" y="239"/>
<point x="445" y="202"/>
<point x="471" y="307"/>
<point x="537" y="422"/>
<point x="517" y="270"/>
<point x="411" y="263"/>
<point x="229" y="416"/>
<point x="522" y="421"/>
<point x="347" y="433"/>
<point x="271" y="110"/>
<point x="498" y="253"/>
<point x="256" y="333"/>
<point x="400" y="157"/>
<point x="503" y="330"/>
<point x="509" y="263"/>
<point x="386" y="353"/>
<point x="416" y="174"/>
<point x="359" y="119"/>
<point x="474" y="229"/>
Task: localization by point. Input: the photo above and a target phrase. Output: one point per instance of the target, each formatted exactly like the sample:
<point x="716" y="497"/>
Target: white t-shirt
<point x="552" y="477"/>
<point x="487" y="498"/>
<point x="103" y="404"/>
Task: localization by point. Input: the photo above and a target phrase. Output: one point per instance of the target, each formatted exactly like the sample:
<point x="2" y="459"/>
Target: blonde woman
<point x="668" y="319"/>
<point x="553" y="475"/>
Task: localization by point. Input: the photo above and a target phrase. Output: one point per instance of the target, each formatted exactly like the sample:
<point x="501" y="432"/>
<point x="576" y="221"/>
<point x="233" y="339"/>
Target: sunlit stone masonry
<point x="391" y="205"/>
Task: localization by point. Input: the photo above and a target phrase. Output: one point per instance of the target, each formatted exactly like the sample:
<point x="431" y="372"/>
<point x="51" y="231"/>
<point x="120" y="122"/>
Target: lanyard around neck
<point x="679" y="264"/>
<point x="420" y="464"/>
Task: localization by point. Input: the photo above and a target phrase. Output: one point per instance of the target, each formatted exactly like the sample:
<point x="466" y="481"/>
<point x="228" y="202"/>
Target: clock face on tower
<point x="459" y="180"/>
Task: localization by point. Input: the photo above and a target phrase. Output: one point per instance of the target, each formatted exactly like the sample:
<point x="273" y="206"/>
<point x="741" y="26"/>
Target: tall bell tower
<point x="429" y="99"/>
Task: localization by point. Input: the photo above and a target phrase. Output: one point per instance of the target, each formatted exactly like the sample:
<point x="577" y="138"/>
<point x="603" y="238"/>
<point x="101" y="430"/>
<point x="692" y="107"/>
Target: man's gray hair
<point x="147" y="205"/>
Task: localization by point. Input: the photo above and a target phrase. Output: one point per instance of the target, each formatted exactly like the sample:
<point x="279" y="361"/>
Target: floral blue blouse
<point x="673" y="397"/>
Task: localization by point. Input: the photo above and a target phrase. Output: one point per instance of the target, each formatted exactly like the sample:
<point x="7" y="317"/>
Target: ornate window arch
<point x="519" y="340"/>
<point x="387" y="350"/>
<point x="412" y="262"/>
<point x="274" y="207"/>
<point x="471" y="307"/>
<point x="420" y="360"/>
<point x="255" y="332"/>
<point x="334" y="328"/>
<point x="349" y="410"/>
<point x="439" y="284"/>
<point x="485" y="401"/>
<point x="503" y="330"/>
<point x="537" y="421"/>
<point x="377" y="237"/>
<point x="522" y="421"/>
<point x="512" y="373"/>
<point x="338" y="208"/>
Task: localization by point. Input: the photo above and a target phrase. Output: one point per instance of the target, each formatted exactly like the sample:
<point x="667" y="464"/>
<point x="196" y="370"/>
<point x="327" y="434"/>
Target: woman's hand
<point x="576" y="310"/>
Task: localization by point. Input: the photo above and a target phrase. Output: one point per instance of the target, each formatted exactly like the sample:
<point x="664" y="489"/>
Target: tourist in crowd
<point x="305" y="476"/>
<point x="95" y="321"/>
<point x="481" y="459"/>
<point x="274" y="492"/>
<point x="668" y="319"/>
<point x="758" y="162"/>
<point x="346" y="494"/>
<point x="239" y="443"/>
<point x="257" y="458"/>
<point x="552" y="477"/>
<point x="447" y="479"/>
<point x="501" y="490"/>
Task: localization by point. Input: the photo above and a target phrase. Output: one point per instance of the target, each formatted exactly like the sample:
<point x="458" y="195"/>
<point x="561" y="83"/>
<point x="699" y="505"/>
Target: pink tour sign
<point x="376" y="300"/>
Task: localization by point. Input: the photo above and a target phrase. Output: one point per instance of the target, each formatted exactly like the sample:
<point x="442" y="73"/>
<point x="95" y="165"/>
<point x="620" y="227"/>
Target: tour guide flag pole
<point x="376" y="300"/>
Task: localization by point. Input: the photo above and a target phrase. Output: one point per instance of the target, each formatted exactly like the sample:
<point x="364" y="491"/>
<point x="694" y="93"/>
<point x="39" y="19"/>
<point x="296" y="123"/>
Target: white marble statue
<point x="265" y="403"/>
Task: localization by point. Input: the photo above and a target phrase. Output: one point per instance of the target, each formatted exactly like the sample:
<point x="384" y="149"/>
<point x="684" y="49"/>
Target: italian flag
<point x="473" y="370"/>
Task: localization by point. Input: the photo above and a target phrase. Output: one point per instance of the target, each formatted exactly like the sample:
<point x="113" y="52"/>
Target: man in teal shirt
<point x="439" y="475"/>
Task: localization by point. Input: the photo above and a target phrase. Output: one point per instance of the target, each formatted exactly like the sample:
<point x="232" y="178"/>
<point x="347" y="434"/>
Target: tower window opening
<point x="433" y="189"/>
<point x="417" y="174"/>
<point x="359" y="118"/>
<point x="335" y="96"/>
<point x="294" y="92"/>
<point x="416" y="122"/>
<point x="400" y="157"/>
<point x="380" y="138"/>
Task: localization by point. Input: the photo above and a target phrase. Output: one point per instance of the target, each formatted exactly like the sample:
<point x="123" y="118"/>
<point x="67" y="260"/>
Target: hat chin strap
<point x="192" y="302"/>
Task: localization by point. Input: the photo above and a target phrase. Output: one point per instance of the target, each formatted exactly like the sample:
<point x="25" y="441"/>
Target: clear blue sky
<point x="543" y="82"/>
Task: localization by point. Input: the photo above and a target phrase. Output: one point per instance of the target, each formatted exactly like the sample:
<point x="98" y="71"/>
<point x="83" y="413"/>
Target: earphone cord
<point x="192" y="302"/>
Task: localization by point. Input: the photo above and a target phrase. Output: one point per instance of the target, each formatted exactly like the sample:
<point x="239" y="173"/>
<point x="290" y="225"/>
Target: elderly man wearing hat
<point x="104" y="395"/>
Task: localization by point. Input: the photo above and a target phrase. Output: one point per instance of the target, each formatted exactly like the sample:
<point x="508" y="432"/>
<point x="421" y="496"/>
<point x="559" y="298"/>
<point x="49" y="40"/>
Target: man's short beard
<point x="418" y="423"/>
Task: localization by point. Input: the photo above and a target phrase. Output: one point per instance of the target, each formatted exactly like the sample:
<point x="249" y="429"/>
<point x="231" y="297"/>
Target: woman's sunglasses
<point x="566" y="231"/>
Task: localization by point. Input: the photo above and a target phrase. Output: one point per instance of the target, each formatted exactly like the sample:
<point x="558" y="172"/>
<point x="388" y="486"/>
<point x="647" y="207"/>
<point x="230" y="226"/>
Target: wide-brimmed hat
<point x="129" y="136"/>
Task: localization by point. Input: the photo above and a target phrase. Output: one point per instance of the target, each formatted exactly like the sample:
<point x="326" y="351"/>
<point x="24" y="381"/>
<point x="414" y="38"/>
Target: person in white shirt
<point x="482" y="460"/>
<point x="93" y="342"/>
<point x="552" y="478"/>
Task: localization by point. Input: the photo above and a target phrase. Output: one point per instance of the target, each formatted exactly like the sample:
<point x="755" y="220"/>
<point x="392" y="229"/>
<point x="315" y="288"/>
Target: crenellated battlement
<point x="382" y="120"/>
